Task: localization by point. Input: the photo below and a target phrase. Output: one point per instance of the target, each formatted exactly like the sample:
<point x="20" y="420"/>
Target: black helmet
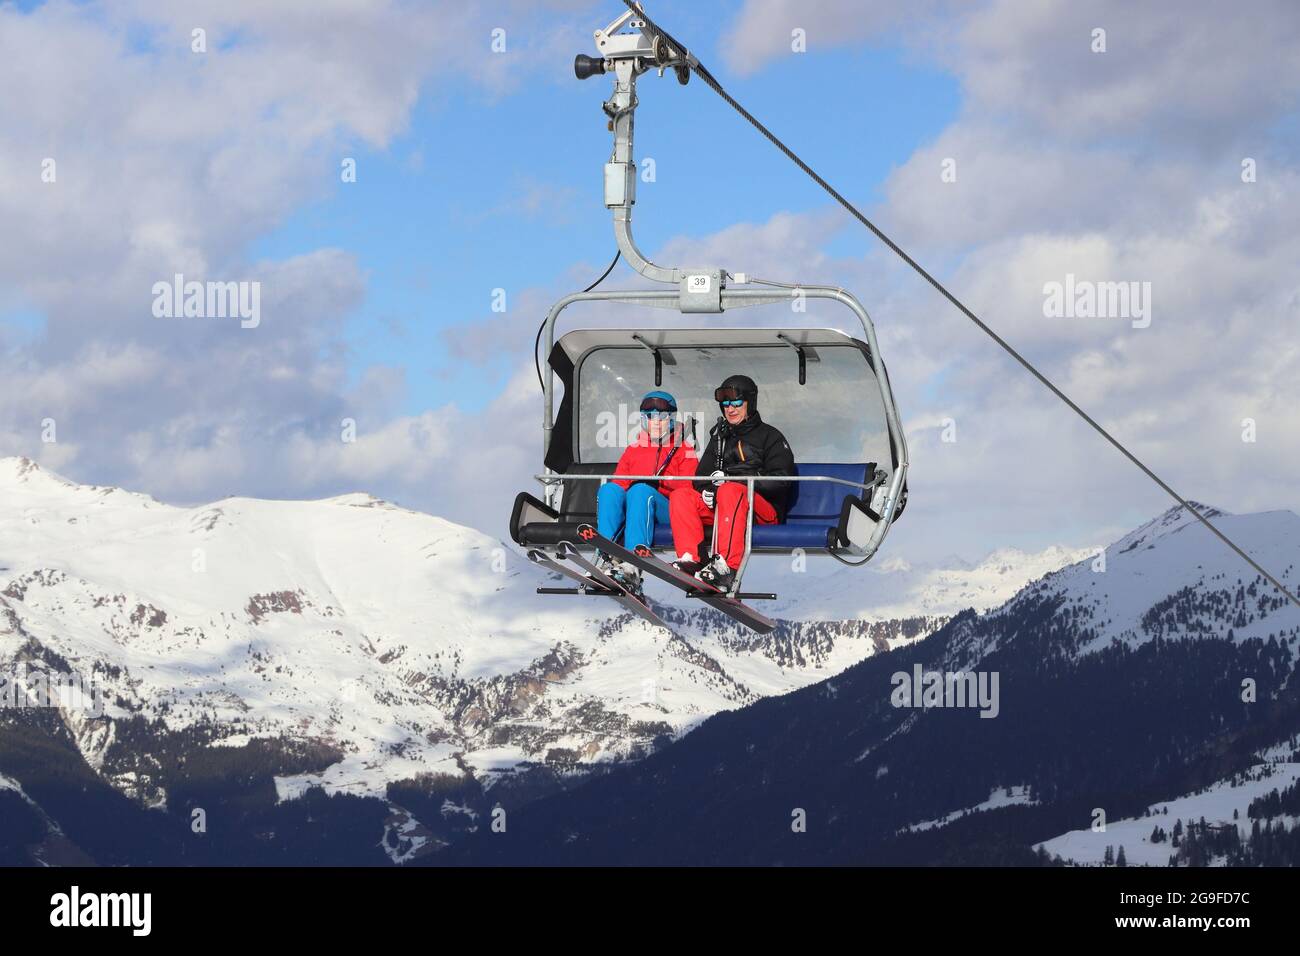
<point x="738" y="386"/>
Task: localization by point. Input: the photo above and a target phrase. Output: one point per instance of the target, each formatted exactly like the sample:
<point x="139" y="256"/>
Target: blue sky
<point x="432" y="218"/>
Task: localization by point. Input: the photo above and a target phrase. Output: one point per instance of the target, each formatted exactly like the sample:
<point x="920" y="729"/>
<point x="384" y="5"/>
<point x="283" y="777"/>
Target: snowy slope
<point x="397" y="635"/>
<point x="998" y="798"/>
<point x="890" y="587"/>
<point x="1224" y="804"/>
<point x="1174" y="578"/>
<point x="411" y="644"/>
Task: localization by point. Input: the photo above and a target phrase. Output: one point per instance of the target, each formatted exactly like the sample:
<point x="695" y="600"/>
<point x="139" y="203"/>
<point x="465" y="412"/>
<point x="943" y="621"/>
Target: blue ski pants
<point x="635" y="510"/>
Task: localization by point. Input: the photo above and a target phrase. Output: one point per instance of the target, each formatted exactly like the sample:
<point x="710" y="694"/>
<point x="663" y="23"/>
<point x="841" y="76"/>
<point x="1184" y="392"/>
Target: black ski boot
<point x="718" y="573"/>
<point x="687" y="566"/>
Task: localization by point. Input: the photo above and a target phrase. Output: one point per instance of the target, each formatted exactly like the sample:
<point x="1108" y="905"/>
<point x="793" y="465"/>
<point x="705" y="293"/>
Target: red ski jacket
<point x="644" y="457"/>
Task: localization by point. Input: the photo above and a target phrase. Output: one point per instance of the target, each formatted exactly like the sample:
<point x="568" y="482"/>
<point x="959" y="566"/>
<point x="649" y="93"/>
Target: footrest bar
<point x="591" y="591"/>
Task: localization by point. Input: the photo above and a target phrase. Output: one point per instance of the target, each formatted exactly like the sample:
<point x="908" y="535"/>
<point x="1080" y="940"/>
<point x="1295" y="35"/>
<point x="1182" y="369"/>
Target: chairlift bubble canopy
<point x="827" y="391"/>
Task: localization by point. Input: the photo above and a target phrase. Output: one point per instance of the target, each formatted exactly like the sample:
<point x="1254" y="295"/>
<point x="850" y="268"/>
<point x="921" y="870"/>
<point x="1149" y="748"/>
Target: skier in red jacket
<point x="634" y="506"/>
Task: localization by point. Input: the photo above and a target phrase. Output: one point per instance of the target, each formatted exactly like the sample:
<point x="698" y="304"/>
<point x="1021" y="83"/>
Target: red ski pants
<point x="689" y="514"/>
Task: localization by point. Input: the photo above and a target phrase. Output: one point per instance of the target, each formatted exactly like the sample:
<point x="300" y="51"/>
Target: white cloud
<point x="170" y="161"/>
<point x="1193" y="71"/>
<point x="763" y="30"/>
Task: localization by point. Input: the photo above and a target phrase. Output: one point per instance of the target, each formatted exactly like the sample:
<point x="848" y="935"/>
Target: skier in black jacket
<point x="741" y="444"/>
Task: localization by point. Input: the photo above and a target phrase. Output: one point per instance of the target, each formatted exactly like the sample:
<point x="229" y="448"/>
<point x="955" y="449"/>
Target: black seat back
<point x="579" y="501"/>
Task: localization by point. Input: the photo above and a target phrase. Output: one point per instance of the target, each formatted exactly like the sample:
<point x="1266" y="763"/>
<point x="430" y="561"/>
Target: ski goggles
<point x="657" y="405"/>
<point x="729" y="397"/>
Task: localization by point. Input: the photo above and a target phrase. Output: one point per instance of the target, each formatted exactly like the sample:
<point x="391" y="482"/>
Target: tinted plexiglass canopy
<point x="835" y="415"/>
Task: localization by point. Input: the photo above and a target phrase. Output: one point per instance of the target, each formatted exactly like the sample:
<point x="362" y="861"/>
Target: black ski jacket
<point x="751" y="448"/>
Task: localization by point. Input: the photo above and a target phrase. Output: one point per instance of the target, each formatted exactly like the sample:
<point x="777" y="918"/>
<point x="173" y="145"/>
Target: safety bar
<point x="881" y="475"/>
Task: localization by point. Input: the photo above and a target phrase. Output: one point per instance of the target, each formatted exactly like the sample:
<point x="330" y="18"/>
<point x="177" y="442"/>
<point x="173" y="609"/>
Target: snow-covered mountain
<point x="409" y="646"/>
<point x="1158" y="675"/>
<point x="892" y="588"/>
<point x="1170" y="578"/>
<point x="355" y="648"/>
<point x="1150" y="839"/>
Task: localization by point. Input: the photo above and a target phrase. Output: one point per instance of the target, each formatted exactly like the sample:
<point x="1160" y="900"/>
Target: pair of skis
<point x="592" y="580"/>
<point x="645" y="559"/>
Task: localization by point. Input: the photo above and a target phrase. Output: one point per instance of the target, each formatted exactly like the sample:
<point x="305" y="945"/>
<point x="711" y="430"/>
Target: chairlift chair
<point x="827" y="390"/>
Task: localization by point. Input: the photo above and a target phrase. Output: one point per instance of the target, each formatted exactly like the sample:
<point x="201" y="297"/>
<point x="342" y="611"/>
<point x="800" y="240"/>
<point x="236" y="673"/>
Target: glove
<point x="717" y="478"/>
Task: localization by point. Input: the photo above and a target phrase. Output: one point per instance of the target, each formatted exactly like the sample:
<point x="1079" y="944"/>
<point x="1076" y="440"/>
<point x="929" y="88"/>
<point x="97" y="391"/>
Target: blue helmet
<point x="659" y="403"/>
